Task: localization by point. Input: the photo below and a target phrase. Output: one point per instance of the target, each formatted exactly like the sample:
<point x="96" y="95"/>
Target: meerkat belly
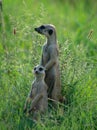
<point x="45" y="58"/>
<point x="42" y="103"/>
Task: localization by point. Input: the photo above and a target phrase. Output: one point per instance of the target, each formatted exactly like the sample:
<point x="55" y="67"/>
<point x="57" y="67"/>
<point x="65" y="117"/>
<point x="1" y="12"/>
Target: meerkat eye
<point x="42" y="27"/>
<point x="35" y="68"/>
<point x="50" y="32"/>
<point x="40" y="69"/>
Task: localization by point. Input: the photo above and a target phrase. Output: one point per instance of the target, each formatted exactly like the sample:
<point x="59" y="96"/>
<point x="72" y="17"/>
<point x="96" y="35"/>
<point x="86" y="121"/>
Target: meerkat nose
<point x="36" y="72"/>
<point x="35" y="29"/>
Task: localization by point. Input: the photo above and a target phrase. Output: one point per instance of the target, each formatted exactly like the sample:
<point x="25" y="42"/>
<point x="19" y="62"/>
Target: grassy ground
<point x="76" y="25"/>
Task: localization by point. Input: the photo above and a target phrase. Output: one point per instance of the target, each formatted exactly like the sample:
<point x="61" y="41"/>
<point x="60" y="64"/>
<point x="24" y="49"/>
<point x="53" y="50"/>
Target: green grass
<point x="78" y="62"/>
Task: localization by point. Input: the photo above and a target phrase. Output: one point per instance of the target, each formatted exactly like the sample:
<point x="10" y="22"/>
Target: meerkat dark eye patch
<point x="42" y="27"/>
<point x="40" y="69"/>
<point x="50" y="32"/>
<point x="35" y="68"/>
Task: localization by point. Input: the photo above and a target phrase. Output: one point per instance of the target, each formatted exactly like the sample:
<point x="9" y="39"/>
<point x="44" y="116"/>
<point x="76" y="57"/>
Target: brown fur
<point x="38" y="94"/>
<point x="50" y="61"/>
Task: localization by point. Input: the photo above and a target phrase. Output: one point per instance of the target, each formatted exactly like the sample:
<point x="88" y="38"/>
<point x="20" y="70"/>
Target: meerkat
<point x="50" y="61"/>
<point x="38" y="94"/>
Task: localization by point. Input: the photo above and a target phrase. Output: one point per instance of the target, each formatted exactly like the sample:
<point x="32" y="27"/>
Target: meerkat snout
<point x="40" y="28"/>
<point x="36" y="72"/>
<point x="36" y="29"/>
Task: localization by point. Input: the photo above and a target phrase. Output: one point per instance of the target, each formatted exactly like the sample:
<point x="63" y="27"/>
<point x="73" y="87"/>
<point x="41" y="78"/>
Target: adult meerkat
<point x="38" y="94"/>
<point x="50" y="61"/>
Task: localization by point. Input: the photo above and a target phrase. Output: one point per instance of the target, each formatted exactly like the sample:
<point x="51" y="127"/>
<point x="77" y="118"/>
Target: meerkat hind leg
<point x="50" y="89"/>
<point x="34" y="102"/>
<point x="50" y="80"/>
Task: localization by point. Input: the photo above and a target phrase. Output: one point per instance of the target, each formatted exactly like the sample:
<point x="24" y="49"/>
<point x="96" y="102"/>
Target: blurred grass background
<point x="76" y="25"/>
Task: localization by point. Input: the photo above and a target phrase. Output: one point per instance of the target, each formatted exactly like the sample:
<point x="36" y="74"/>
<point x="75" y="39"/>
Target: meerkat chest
<point x="45" y="54"/>
<point x="38" y="87"/>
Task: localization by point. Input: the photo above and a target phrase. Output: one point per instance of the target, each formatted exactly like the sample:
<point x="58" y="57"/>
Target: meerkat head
<point x="39" y="71"/>
<point x="47" y="29"/>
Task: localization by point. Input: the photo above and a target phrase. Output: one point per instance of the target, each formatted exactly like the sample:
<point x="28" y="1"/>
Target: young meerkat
<point x="38" y="94"/>
<point x="50" y="61"/>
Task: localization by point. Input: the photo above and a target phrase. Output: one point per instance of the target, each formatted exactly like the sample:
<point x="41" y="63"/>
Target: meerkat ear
<point x="50" y="32"/>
